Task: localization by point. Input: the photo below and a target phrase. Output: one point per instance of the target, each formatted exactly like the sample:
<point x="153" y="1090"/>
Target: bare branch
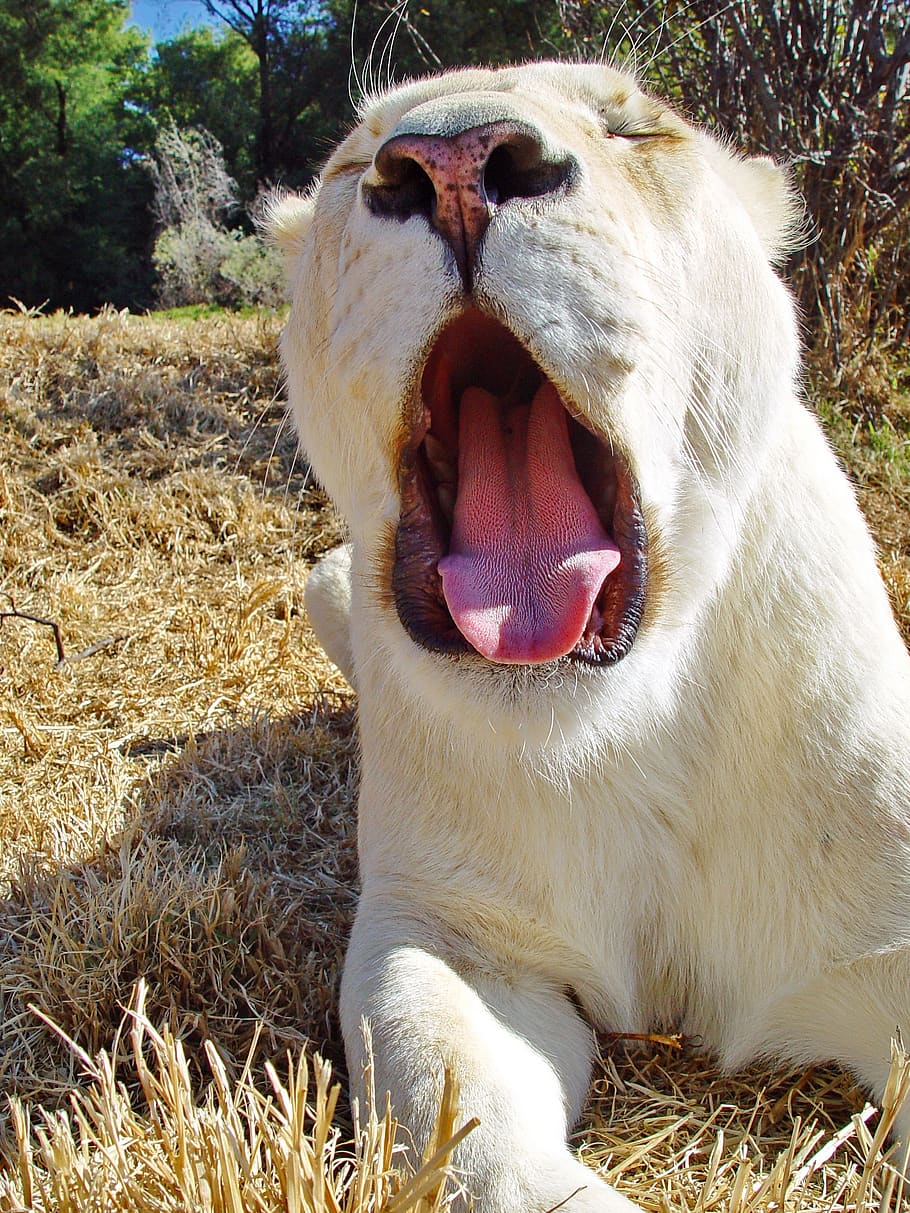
<point x="45" y="623"/>
<point x="92" y="649"/>
<point x="62" y="658"/>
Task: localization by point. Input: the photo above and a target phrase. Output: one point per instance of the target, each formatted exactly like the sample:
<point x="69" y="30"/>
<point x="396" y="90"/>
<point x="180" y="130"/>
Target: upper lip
<point x="476" y="350"/>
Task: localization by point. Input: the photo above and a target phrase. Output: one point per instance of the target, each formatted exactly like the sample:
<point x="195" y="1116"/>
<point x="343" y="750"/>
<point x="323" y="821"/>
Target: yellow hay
<point x="177" y="826"/>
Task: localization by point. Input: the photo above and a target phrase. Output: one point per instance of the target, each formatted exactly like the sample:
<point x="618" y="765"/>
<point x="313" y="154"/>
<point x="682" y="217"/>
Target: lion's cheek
<point x="362" y="308"/>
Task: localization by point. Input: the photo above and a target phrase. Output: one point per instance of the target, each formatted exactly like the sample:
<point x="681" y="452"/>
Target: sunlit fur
<point x="713" y="833"/>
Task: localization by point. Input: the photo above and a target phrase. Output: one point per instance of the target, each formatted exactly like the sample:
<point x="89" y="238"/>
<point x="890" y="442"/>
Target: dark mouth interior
<point x="477" y="351"/>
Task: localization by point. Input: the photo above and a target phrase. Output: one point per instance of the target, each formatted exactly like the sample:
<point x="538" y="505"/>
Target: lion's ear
<point x="774" y="204"/>
<point x="771" y="199"/>
<point x="285" y="219"/>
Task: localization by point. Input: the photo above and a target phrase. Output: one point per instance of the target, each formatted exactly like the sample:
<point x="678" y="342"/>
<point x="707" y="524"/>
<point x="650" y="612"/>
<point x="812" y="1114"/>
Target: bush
<point x="198" y="259"/>
<point x="187" y="260"/>
<point x="822" y="85"/>
<point x="201" y="262"/>
<point x="254" y="270"/>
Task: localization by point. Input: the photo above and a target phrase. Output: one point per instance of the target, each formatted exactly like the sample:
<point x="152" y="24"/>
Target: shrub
<point x="822" y="85"/>
<point x="197" y="257"/>
<point x="254" y="270"/>
<point x="187" y="259"/>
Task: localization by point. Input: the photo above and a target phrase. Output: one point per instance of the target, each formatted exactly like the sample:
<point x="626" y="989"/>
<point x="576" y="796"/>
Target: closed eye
<point x="630" y="131"/>
<point x="342" y="170"/>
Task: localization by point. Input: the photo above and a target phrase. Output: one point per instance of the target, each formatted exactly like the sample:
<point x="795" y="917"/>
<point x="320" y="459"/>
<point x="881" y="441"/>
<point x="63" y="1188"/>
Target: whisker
<point x="401" y="13"/>
<point x="268" y="467"/>
<point x="352" y="70"/>
<point x="374" y="73"/>
<point x="688" y="34"/>
<point x="260" y="421"/>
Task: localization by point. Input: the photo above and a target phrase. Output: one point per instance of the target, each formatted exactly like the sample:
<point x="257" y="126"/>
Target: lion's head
<point x="535" y="352"/>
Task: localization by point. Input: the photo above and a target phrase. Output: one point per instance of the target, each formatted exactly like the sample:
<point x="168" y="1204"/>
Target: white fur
<point x="716" y="831"/>
<point x="328" y="605"/>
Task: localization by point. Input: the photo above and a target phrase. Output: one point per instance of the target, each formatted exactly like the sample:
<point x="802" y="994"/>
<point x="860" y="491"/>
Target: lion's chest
<point x="533" y="871"/>
<point x="627" y="888"/>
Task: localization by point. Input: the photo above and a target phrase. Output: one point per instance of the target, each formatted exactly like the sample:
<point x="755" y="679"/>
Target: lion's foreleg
<point x="517" y="1049"/>
<point x="328" y="605"/>
<point x="850" y="1014"/>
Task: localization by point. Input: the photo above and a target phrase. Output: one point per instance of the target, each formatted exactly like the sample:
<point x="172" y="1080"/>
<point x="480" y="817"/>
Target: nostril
<point x="519" y="169"/>
<point x="403" y="187"/>
<point x="456" y="179"/>
<point x="416" y="174"/>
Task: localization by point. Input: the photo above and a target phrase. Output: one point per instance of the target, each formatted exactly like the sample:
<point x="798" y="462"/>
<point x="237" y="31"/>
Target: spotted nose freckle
<point x="458" y="181"/>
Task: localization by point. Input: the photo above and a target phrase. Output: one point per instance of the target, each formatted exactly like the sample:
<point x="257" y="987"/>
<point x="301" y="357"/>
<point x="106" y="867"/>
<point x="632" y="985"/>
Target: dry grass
<point x="866" y="408"/>
<point x="176" y="819"/>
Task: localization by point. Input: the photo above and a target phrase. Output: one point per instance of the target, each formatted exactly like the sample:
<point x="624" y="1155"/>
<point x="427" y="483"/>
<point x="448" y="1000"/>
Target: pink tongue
<point x="528" y="554"/>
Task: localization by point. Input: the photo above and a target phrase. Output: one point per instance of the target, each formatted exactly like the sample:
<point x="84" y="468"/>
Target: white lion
<point x="635" y="713"/>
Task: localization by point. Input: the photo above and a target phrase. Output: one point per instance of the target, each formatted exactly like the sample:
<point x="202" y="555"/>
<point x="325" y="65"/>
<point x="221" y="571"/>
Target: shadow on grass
<point x="230" y="892"/>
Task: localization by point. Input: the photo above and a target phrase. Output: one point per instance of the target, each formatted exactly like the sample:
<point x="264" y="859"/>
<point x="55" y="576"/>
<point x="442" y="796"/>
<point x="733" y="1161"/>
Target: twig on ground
<point x="15" y="613"/>
<point x="62" y="659"/>
<point x="94" y="648"/>
<point x="673" y="1041"/>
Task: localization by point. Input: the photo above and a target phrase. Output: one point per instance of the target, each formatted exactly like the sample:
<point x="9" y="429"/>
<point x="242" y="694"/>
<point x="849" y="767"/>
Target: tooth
<point x="438" y="458"/>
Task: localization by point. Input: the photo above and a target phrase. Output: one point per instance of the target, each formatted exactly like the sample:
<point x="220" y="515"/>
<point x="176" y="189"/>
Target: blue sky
<point x="165" y="18"/>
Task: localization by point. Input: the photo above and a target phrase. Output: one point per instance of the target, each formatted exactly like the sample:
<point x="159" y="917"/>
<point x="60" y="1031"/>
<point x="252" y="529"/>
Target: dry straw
<point x="176" y="817"/>
<point x="236" y="1148"/>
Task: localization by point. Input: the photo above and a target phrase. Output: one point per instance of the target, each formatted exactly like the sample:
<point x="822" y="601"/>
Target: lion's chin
<point x="521" y="538"/>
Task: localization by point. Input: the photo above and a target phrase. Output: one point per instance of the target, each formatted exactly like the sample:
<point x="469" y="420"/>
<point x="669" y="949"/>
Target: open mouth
<point x="521" y="536"/>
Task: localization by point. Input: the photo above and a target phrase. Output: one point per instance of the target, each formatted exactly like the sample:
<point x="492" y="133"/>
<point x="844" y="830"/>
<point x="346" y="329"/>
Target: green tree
<point x="287" y="37"/>
<point x="74" y="222"/>
<point x="208" y="78"/>
<point x="401" y="40"/>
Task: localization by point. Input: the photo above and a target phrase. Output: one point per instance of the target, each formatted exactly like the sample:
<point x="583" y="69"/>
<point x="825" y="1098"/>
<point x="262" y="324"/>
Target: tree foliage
<point x="823" y="85"/>
<point x="394" y="40"/>
<point x="207" y="79"/>
<point x="287" y="38"/>
<point x="73" y="205"/>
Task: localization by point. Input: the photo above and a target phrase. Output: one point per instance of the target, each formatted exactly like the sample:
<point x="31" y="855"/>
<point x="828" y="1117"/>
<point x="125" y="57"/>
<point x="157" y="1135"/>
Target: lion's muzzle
<point x="457" y="167"/>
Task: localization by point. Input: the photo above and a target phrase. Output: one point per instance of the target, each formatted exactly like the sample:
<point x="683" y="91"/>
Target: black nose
<point x="458" y="180"/>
